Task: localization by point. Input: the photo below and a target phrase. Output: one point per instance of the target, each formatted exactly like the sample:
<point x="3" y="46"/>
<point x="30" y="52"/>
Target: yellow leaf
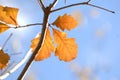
<point x="3" y="27"/>
<point x="46" y="48"/>
<point x="8" y="15"/>
<point x="66" y="47"/>
<point x="66" y="22"/>
<point x="4" y="58"/>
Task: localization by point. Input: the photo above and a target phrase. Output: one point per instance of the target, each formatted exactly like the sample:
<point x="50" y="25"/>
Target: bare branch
<point x="28" y="25"/>
<point x="83" y="3"/>
<point x="6" y="41"/>
<point x="40" y="43"/>
<point x="53" y="4"/>
<point x="88" y="1"/>
<point x="41" y="4"/>
<point x="101" y="8"/>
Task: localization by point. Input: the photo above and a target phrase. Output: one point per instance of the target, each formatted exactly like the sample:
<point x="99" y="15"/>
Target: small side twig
<point x="28" y="25"/>
<point x="101" y="8"/>
<point x="88" y="1"/>
<point x="82" y="3"/>
<point x="41" y="5"/>
<point x="7" y="40"/>
<point x="53" y="4"/>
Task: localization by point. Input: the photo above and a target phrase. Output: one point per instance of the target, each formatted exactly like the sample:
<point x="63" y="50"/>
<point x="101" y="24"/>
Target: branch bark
<point x="47" y="12"/>
<point x="41" y="41"/>
<point x="41" y="5"/>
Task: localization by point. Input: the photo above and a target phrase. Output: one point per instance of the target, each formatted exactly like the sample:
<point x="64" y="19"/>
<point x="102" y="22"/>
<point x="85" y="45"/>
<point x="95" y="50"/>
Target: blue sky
<point x="98" y="39"/>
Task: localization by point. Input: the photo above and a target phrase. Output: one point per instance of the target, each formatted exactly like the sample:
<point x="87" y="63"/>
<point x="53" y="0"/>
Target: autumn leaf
<point x="8" y="15"/>
<point x="3" y="27"/>
<point x="66" y="47"/>
<point x="46" y="48"/>
<point x="4" y="58"/>
<point x="66" y="22"/>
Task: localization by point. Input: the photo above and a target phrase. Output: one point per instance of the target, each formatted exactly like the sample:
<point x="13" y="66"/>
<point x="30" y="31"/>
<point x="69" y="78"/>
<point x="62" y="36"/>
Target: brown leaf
<point x="4" y="58"/>
<point x="46" y="48"/>
<point x="66" y="47"/>
<point x="3" y="27"/>
<point x="66" y="22"/>
<point x="8" y="15"/>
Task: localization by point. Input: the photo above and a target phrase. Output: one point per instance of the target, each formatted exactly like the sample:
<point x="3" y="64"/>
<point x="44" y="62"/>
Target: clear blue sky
<point x="100" y="53"/>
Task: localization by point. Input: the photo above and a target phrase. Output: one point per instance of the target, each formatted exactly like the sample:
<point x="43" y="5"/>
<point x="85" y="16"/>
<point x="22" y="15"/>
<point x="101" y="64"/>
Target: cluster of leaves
<point x="65" y="48"/>
<point x="8" y="16"/>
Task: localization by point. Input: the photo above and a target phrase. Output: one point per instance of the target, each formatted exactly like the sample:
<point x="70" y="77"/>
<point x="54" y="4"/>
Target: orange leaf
<point x="46" y="48"/>
<point x="3" y="27"/>
<point x="66" y="47"/>
<point x="4" y="58"/>
<point x="8" y="15"/>
<point x="65" y="22"/>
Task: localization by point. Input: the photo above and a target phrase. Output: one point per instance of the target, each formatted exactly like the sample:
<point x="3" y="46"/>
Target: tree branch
<point x="28" y="25"/>
<point x="41" y="5"/>
<point x="53" y="4"/>
<point x="41" y="39"/>
<point x="40" y="43"/>
<point x="5" y="75"/>
<point x="6" y="41"/>
<point x="101" y="8"/>
<point x="83" y="3"/>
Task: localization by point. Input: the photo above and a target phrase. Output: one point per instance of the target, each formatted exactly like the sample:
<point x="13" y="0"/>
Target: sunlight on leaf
<point x="66" y="47"/>
<point x="46" y="49"/>
<point x="4" y="58"/>
<point x="3" y="27"/>
<point x="8" y="15"/>
<point x="66" y="22"/>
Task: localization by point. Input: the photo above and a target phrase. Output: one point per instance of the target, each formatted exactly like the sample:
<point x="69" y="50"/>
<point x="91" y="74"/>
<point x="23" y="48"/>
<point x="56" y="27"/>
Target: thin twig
<point x="88" y="1"/>
<point x="28" y="25"/>
<point x="7" y="40"/>
<point x="101" y="8"/>
<point x="53" y="4"/>
<point x="83" y="3"/>
<point x="41" y="5"/>
<point x="35" y="24"/>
